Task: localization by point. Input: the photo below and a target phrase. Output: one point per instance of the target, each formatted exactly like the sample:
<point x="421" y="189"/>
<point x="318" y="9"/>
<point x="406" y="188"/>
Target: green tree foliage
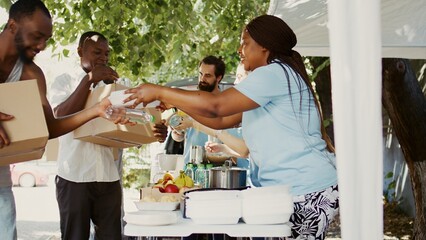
<point x="136" y="170"/>
<point x="157" y="40"/>
<point x="5" y="4"/>
<point x="154" y="41"/>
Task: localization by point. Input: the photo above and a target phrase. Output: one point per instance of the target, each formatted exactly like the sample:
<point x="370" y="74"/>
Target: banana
<point x="167" y="176"/>
<point x="180" y="180"/>
<point x="183" y="180"/>
<point x="188" y="181"/>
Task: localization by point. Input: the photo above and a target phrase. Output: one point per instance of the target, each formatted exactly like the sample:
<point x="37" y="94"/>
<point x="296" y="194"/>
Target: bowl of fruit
<point x="170" y="184"/>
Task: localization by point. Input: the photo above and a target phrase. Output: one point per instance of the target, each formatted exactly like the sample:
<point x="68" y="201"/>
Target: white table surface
<point x="186" y="227"/>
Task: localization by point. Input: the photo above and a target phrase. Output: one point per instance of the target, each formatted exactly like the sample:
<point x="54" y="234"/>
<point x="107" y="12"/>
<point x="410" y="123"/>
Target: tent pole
<point x="355" y="55"/>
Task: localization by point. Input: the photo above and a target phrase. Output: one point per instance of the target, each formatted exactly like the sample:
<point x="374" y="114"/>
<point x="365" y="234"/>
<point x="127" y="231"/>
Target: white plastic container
<point x="213" y="207"/>
<point x="267" y="205"/>
<point x="151" y="218"/>
<point x="214" y="212"/>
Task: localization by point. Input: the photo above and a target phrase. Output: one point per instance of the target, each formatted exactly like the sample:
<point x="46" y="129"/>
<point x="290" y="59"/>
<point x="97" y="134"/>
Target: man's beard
<point x="206" y="87"/>
<point x="19" y="42"/>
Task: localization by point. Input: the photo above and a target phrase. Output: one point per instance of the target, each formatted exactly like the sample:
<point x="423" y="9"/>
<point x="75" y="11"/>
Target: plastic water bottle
<point x="175" y="120"/>
<point x="200" y="175"/>
<point x="135" y="115"/>
<point x="189" y="171"/>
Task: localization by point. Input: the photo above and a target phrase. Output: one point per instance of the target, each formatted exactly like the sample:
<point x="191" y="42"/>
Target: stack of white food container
<point x="267" y="205"/>
<point x="213" y="207"/>
<point x="258" y="205"/>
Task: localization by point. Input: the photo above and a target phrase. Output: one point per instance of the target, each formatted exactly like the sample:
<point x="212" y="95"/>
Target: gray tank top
<point x="14" y="76"/>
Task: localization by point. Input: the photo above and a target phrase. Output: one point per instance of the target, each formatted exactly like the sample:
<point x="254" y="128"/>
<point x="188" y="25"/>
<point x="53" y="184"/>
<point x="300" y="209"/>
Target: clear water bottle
<point x="175" y="120"/>
<point x="200" y="175"/>
<point x="189" y="171"/>
<point x="135" y="115"/>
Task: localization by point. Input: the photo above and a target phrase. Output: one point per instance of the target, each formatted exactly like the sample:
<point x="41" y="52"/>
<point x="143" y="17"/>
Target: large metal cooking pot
<point x="227" y="176"/>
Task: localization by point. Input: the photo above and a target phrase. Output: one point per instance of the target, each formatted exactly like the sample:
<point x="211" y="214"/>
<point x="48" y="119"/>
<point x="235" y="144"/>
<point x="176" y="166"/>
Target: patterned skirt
<point x="313" y="214"/>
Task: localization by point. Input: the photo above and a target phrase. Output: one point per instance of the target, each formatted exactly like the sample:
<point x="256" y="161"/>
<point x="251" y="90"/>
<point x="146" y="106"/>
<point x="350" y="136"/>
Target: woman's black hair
<point x="275" y="35"/>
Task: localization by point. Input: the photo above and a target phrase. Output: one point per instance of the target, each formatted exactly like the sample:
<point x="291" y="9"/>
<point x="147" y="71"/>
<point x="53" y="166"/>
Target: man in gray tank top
<point x="11" y="69"/>
<point x="26" y="33"/>
<point x="7" y="201"/>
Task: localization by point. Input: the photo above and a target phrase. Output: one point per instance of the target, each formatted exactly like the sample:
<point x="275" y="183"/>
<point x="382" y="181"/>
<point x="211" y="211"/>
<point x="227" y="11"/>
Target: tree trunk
<point x="406" y="105"/>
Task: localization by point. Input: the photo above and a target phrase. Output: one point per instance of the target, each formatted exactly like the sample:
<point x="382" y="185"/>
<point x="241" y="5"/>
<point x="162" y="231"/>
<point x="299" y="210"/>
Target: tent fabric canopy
<point x="403" y="26"/>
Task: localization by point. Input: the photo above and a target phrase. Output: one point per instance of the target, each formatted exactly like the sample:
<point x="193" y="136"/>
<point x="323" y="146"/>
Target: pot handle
<point x="227" y="165"/>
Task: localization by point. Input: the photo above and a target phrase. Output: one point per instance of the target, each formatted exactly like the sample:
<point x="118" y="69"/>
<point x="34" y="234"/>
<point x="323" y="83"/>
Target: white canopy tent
<point x="356" y="35"/>
<point x="403" y="26"/>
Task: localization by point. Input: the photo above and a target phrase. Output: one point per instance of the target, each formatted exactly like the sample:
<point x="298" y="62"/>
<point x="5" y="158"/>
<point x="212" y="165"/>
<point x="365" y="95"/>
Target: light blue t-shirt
<point x="283" y="134"/>
<point x="192" y="138"/>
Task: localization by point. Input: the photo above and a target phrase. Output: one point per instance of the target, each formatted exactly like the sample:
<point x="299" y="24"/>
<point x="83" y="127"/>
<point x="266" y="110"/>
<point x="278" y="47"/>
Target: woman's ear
<point x="265" y="52"/>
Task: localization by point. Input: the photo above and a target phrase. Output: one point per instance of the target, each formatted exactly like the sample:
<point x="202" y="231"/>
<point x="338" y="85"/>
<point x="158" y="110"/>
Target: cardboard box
<point x="104" y="132"/>
<point x="28" y="131"/>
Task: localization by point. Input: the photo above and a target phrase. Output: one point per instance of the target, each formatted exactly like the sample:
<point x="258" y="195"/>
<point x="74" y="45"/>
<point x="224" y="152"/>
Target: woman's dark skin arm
<point x="217" y="111"/>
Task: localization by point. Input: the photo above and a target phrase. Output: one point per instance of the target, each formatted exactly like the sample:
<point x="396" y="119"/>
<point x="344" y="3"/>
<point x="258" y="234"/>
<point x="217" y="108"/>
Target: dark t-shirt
<point x="173" y="147"/>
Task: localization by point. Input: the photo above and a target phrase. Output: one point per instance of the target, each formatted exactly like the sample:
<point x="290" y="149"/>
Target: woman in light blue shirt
<point x="281" y="121"/>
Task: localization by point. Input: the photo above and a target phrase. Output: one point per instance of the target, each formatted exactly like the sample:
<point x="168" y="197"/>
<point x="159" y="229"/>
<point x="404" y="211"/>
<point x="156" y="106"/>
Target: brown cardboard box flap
<point x="104" y="132"/>
<point x="22" y="156"/>
<point x="27" y="131"/>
